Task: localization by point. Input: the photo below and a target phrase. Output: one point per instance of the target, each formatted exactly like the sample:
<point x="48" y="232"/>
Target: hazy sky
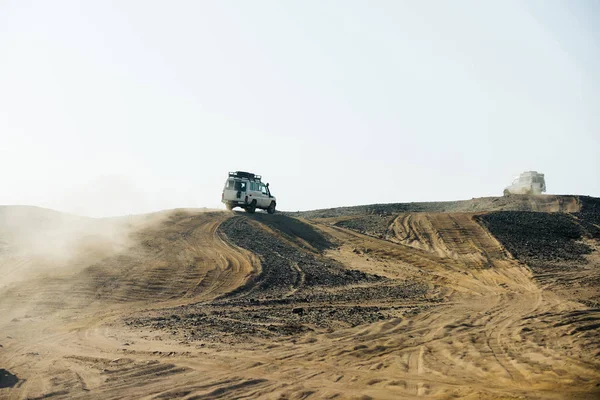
<point x="110" y="108"/>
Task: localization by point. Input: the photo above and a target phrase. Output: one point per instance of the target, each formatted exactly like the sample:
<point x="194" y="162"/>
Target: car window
<point x="263" y="189"/>
<point x="241" y="186"/>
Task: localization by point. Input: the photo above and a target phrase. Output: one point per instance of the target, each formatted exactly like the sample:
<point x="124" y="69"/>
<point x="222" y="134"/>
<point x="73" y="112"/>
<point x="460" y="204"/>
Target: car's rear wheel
<point x="229" y="206"/>
<point x="251" y="207"/>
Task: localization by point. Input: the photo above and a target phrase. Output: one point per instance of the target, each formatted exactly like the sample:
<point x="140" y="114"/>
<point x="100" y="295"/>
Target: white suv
<point x="529" y="182"/>
<point x="246" y="190"/>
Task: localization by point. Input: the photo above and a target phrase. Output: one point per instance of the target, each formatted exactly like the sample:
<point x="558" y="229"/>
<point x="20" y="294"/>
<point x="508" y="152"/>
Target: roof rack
<point x="245" y="175"/>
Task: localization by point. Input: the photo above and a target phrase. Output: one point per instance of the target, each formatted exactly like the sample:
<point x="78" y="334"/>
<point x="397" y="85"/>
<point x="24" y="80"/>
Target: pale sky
<point x="111" y="108"/>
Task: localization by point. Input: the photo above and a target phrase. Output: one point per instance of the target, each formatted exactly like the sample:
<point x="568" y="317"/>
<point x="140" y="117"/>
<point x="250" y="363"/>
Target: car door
<point x="264" y="196"/>
<point x="254" y="193"/>
<point x="251" y="191"/>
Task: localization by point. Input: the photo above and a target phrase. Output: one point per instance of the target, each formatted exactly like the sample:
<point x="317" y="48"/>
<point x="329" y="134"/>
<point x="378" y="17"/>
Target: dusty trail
<point x="484" y="334"/>
<point x="449" y="235"/>
<point x="484" y="328"/>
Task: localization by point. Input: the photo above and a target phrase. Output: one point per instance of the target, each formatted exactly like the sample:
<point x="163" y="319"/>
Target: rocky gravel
<point x="589" y="216"/>
<point x="216" y="324"/>
<point x="285" y="266"/>
<point x="482" y="204"/>
<point x="556" y="246"/>
<point x="535" y="237"/>
<point x="372" y="225"/>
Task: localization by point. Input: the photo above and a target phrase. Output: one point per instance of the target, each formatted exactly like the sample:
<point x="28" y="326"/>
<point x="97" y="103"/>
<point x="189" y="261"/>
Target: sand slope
<point x="394" y="304"/>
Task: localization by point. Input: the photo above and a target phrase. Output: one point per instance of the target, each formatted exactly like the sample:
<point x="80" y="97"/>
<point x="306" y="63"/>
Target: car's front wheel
<point x="271" y="209"/>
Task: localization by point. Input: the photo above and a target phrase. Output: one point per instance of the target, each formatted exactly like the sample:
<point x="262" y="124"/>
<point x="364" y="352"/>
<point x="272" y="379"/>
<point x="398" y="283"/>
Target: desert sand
<point x="493" y="298"/>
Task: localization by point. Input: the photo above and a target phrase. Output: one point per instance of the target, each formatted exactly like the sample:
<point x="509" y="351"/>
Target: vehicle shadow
<point x="7" y="380"/>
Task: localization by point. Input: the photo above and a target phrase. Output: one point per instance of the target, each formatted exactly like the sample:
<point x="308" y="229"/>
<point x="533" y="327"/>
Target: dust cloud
<point x="44" y="255"/>
<point x="95" y="219"/>
<point x="35" y="240"/>
<point x="117" y="195"/>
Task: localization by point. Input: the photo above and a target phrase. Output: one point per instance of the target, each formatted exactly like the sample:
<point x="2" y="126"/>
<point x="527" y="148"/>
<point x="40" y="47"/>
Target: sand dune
<point x="489" y="298"/>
